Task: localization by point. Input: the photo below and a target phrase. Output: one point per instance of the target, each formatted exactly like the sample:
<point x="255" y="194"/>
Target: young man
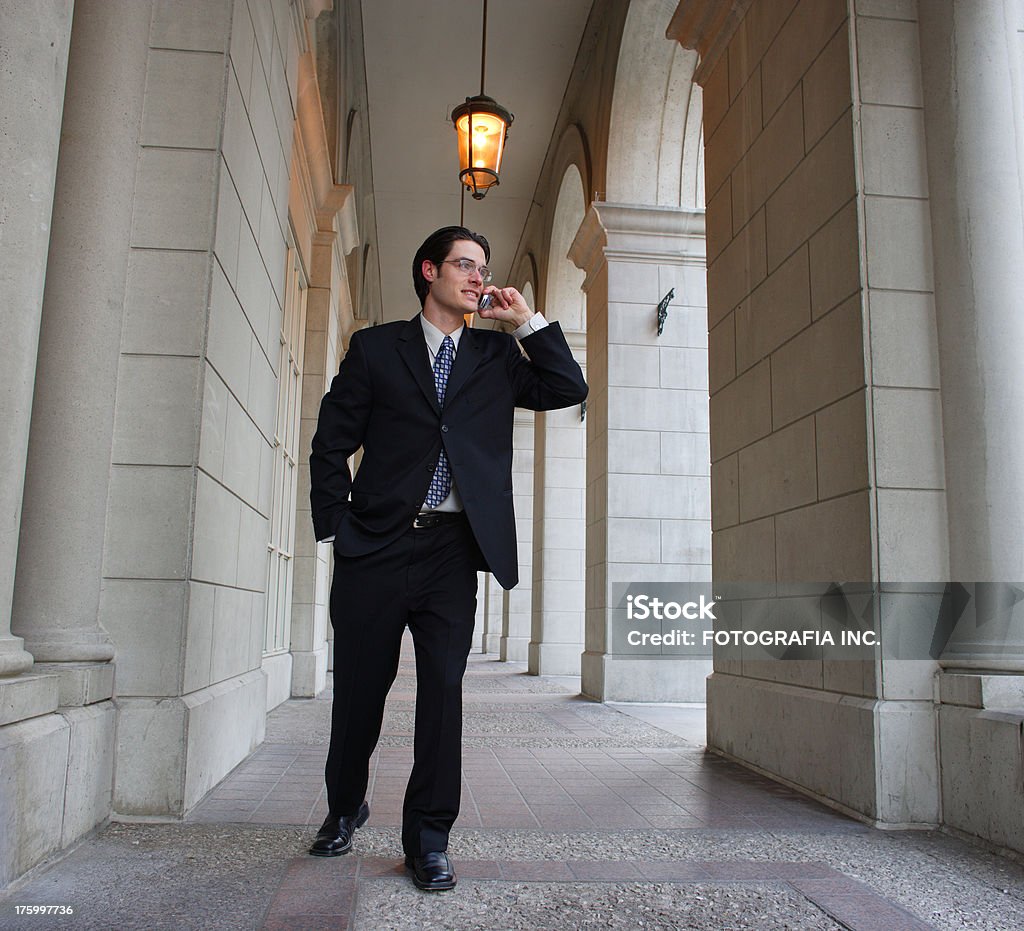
<point x="431" y="404"/>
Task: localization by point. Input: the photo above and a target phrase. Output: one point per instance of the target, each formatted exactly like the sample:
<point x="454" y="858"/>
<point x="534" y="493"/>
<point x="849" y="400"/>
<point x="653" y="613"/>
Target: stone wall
<point x="827" y="484"/>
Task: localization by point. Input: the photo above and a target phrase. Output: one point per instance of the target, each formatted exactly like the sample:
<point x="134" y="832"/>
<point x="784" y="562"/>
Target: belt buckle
<point x="422" y="521"/>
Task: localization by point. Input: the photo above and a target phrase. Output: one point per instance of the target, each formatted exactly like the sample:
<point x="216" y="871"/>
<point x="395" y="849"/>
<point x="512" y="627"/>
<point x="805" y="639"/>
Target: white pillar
<point x="517" y="605"/>
<point x="559" y="537"/>
<point x="60" y="571"/>
<point x="33" y="61"/>
<point x="483" y="582"/>
<point x="974" y="121"/>
<point x="328" y="308"/>
<point x="648" y="457"/>
<point x="491" y="642"/>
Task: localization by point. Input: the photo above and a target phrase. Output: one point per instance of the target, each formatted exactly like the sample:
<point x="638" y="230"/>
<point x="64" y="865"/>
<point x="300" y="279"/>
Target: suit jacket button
<point x="444" y="428"/>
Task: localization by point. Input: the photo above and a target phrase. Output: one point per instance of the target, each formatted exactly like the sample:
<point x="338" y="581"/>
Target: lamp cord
<point x="483" y="51"/>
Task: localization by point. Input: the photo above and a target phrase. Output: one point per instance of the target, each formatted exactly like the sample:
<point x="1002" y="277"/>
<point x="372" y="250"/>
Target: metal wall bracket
<point x="663" y="309"/>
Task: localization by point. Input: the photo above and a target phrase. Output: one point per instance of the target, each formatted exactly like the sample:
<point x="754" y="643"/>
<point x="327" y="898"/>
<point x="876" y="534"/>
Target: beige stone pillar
<point x="517" y="604"/>
<point x="559" y="536"/>
<point x="57" y="593"/>
<point x="483" y="581"/>
<point x="491" y="639"/>
<point x="329" y="325"/>
<point x="312" y="570"/>
<point x="971" y="63"/>
<point x="33" y="60"/>
<point x="59" y="767"/>
<point x="648" y="461"/>
<point x="827" y="481"/>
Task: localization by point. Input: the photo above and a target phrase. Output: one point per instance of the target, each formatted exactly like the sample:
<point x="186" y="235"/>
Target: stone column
<point x="484" y="580"/>
<point x="59" y="576"/>
<point x="491" y="642"/>
<point x="33" y="59"/>
<point x="648" y="459"/>
<point x="971" y="64"/>
<point x="559" y="539"/>
<point x="828" y="487"/>
<point x="329" y="324"/>
<point x="516" y="609"/>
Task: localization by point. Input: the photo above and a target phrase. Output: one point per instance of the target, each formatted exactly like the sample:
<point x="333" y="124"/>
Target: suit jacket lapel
<point x="466" y="360"/>
<point x="412" y="347"/>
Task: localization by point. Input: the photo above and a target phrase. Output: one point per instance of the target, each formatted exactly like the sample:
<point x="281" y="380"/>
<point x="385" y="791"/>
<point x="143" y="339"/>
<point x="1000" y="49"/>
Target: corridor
<point x="575" y="815"/>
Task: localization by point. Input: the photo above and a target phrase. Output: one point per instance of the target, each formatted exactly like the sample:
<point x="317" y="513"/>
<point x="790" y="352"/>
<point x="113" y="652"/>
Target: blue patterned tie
<point x="441" y="483"/>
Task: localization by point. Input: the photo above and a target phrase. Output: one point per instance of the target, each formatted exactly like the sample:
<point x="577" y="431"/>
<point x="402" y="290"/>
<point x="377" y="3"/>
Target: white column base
<point x="554" y="659"/>
<point x="278" y="669"/>
<point x="514" y="649"/>
<point x="309" y="672"/>
<point x="27" y="697"/>
<point x="611" y="678"/>
<point x="13" y="659"/>
<point x="492" y="643"/>
<point x="172" y="751"/>
<point x="981" y="720"/>
<point x="868" y="757"/>
<point x="64" y="764"/>
<point x="81" y="684"/>
<point x="90" y="778"/>
<point x="37" y="750"/>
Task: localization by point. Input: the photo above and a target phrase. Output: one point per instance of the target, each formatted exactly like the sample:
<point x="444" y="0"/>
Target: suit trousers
<point x="426" y="580"/>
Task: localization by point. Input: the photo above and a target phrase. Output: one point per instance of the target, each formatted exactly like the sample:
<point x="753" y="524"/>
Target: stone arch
<point x="573" y="149"/>
<point x="525" y="278"/>
<point x="564" y="298"/>
<point x="655" y="141"/>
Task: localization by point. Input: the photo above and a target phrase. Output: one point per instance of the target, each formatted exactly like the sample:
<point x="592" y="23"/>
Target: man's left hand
<point x="508" y="306"/>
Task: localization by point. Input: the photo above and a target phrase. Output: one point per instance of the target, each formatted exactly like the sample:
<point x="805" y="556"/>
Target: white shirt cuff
<point x="536" y="322"/>
<point x="329" y="539"/>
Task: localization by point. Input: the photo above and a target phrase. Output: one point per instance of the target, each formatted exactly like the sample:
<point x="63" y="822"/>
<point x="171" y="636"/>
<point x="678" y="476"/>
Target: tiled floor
<point x="541" y="759"/>
<point x="533" y="760"/>
<point x="575" y="815"/>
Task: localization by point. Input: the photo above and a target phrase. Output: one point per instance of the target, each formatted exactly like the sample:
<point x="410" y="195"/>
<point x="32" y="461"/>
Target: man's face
<point x="452" y="288"/>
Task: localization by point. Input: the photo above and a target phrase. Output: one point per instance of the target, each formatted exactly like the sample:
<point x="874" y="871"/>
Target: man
<point x="431" y="404"/>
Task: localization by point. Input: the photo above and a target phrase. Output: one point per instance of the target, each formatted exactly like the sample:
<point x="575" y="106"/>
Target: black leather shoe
<point x="433" y="872"/>
<point x="335" y="837"/>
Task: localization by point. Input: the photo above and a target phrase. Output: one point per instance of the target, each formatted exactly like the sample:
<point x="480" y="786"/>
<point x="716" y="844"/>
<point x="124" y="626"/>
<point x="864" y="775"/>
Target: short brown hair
<point x="435" y="249"/>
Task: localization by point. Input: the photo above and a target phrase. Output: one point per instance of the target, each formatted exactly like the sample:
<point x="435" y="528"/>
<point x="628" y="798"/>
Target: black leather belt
<point x="436" y="518"/>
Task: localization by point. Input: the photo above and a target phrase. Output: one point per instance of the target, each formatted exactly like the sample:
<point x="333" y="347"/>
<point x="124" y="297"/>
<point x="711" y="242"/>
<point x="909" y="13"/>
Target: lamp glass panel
<point x="488" y="145"/>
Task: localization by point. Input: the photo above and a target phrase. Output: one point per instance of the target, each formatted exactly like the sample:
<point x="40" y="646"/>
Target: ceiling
<point x="422" y="60"/>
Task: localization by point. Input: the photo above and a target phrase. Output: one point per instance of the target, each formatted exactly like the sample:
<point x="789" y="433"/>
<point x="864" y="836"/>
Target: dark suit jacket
<point x="383" y="399"/>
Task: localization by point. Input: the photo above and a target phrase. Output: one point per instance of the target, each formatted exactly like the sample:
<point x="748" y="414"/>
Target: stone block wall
<point x="825" y="430"/>
<point x="786" y="365"/>
<point x="200" y="358"/>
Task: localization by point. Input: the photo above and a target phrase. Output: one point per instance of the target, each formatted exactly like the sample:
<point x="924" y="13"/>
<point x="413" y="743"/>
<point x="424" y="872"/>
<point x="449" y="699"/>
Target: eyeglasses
<point x="468" y="266"/>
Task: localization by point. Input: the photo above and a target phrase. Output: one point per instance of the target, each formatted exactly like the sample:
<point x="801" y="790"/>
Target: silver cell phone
<point x="485" y="301"/>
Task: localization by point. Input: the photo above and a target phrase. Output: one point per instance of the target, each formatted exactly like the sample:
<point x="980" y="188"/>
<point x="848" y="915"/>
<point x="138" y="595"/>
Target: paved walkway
<point x="575" y="815"/>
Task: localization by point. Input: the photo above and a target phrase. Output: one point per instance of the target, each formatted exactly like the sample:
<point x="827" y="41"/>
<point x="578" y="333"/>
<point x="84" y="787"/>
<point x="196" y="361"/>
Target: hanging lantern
<point x="482" y="126"/>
